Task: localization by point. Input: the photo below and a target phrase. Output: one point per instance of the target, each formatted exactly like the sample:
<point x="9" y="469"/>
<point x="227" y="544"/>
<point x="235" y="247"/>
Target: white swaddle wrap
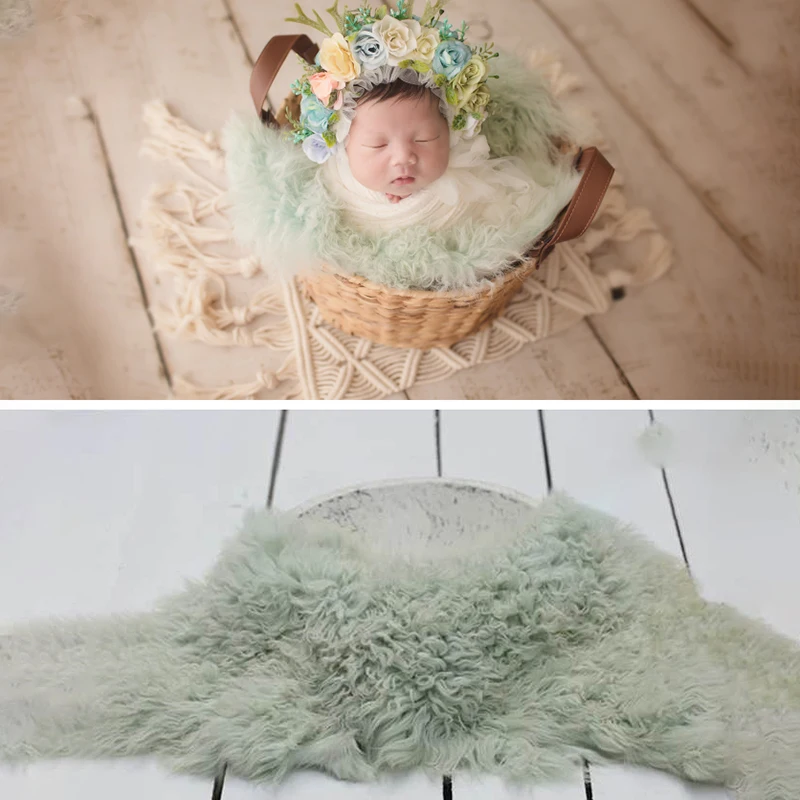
<point x="490" y="190"/>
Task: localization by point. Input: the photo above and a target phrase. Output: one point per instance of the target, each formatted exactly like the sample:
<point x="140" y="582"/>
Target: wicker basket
<point x="418" y="318"/>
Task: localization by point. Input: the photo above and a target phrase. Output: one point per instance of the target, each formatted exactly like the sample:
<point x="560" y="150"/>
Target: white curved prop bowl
<point x="426" y="516"/>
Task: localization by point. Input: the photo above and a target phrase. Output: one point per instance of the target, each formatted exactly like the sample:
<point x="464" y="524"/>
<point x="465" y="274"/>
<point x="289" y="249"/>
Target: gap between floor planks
<point x="730" y="232"/>
<point x="134" y="261"/>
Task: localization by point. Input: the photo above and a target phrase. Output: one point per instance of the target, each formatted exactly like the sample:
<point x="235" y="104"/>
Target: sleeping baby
<point x="402" y="165"/>
<point x="393" y="109"/>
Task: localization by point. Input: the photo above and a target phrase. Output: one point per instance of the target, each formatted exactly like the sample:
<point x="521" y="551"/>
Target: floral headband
<point x="374" y="47"/>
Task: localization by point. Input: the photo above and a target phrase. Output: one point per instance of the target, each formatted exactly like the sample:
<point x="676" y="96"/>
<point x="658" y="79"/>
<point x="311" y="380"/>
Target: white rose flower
<point x="471" y="128"/>
<point x="399" y="36"/>
<point x="427" y="42"/>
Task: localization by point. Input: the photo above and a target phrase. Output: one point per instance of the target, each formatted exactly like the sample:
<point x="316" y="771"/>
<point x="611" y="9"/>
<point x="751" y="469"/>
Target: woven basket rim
<point x="420" y="294"/>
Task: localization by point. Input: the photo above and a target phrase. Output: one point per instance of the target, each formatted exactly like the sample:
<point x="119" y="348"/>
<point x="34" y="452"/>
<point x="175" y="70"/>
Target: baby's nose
<point x="404" y="155"/>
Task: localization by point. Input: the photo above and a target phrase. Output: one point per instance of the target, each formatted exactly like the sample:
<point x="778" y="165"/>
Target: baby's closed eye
<point x="418" y="141"/>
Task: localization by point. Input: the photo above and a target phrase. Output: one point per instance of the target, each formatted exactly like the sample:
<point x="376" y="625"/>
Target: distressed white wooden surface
<point x="735" y="479"/>
<point x="107" y="511"/>
<point x="595" y="457"/>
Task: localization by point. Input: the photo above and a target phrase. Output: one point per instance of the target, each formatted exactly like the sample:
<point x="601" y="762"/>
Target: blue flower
<point x="450" y="58"/>
<point x="316" y="148"/>
<point x="313" y="114"/>
<point x="370" y="49"/>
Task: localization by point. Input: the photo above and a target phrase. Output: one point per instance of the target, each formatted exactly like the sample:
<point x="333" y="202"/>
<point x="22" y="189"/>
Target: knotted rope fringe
<point x="187" y="235"/>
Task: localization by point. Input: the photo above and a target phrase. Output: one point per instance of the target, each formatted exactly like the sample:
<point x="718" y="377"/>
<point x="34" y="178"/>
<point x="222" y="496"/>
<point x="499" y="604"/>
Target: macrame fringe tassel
<point x="183" y="389"/>
<point x="175" y="141"/>
<point x="200" y="311"/>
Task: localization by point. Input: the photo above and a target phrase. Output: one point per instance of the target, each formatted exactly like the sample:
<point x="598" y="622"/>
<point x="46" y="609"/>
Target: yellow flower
<point x="466" y="82"/>
<point x="478" y="100"/>
<point x="427" y="42"/>
<point x="336" y="58"/>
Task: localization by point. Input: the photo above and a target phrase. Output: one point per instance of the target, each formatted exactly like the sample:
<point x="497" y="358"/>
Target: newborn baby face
<point x="398" y="146"/>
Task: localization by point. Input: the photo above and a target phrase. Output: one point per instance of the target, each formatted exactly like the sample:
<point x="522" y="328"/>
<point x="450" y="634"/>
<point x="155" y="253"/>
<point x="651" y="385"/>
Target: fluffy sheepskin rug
<point x="306" y="647"/>
<point x="283" y="213"/>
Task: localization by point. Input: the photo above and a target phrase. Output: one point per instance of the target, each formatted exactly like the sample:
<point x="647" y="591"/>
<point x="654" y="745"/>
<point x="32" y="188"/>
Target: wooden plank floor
<point x="697" y="98"/>
<point x="107" y="512"/>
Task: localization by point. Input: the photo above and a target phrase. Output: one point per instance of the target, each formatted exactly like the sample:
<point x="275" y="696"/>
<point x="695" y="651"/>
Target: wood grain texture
<point x="761" y="37"/>
<point x="735" y="481"/>
<point x="504" y="448"/>
<point x="711" y="152"/>
<point x="188" y="54"/>
<point x="72" y="322"/>
<point x="729" y="133"/>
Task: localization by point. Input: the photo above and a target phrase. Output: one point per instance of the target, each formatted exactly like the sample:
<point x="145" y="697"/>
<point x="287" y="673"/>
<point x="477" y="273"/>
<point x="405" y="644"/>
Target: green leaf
<point x="303" y="19"/>
<point x="334" y="12"/>
<point x="417" y="66"/>
<point x="330" y="138"/>
<point x="401" y="12"/>
<point x="450" y="95"/>
<point x="431" y="13"/>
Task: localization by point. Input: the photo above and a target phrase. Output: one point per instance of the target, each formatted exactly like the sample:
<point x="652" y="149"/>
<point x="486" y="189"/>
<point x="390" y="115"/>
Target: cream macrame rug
<point x="223" y="297"/>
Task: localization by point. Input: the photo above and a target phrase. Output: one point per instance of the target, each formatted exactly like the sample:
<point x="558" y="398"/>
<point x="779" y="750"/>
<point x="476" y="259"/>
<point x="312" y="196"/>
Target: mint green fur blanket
<point x="282" y="211"/>
<point x="304" y="647"/>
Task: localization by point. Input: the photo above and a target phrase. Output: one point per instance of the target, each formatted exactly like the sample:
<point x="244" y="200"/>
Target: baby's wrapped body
<point x="493" y="191"/>
<point x="401" y="164"/>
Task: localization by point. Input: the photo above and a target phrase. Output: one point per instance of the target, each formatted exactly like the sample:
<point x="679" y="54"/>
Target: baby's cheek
<point x="442" y="161"/>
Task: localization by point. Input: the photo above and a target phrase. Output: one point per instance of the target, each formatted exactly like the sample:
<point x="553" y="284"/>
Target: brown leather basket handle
<point x="269" y="63"/>
<point x="578" y="215"/>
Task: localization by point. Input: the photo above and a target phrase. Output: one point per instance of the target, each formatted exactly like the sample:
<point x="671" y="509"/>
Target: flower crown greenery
<point x="367" y="40"/>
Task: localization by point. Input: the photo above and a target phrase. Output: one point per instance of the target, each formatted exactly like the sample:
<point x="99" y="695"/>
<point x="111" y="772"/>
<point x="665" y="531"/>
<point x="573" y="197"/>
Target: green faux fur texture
<point x="283" y="213"/>
<point x="303" y="649"/>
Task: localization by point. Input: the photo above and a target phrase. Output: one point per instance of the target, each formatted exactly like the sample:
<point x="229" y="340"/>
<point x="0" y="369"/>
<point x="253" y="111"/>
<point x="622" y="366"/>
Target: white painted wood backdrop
<point x="105" y="511"/>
